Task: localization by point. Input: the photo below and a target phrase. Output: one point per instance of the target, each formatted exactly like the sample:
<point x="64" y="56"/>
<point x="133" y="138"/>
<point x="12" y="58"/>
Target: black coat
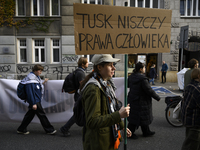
<point x="140" y="99"/>
<point x="152" y="73"/>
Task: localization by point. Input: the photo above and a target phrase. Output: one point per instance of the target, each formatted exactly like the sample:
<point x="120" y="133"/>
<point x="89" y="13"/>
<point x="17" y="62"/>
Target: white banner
<point x="57" y="105"/>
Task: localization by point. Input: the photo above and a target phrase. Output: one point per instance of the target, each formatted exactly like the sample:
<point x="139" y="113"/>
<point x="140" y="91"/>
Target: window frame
<point x="91" y="2"/>
<point x="17" y="13"/>
<point x="19" y="50"/>
<point x="191" y="8"/>
<point x="144" y="4"/>
<point x="38" y="10"/>
<point x="39" y="51"/>
<point x="58" y="47"/>
<point x="50" y="4"/>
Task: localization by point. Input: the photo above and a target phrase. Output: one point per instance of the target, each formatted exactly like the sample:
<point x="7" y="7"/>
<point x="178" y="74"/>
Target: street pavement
<point x="166" y="137"/>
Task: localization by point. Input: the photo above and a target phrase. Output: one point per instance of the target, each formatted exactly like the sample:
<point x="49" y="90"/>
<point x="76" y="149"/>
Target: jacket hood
<point x="91" y="81"/>
<point x="134" y="78"/>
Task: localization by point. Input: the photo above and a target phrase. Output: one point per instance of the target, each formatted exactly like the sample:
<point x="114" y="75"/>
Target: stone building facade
<point x="184" y="13"/>
<point x="21" y="49"/>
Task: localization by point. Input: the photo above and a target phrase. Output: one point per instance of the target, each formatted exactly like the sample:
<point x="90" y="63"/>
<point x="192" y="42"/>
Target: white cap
<point x="99" y="58"/>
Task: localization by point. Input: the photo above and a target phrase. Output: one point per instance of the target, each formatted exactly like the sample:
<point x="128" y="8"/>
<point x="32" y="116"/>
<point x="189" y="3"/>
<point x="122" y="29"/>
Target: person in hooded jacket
<point x="102" y="113"/>
<point x="140" y="100"/>
<point x="34" y="90"/>
<point x="152" y="74"/>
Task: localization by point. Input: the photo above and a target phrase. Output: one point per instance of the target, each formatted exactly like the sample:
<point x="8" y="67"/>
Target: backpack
<point x="69" y="84"/>
<point x="79" y="113"/>
<point x="21" y="93"/>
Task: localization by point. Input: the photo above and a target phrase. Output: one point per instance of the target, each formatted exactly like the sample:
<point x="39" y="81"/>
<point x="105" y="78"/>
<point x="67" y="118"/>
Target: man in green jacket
<point x="193" y="63"/>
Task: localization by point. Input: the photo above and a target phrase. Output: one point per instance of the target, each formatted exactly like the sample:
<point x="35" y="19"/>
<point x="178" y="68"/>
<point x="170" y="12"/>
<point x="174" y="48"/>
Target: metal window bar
<point x="186" y="3"/>
<point x="151" y="3"/>
<point x="144" y="3"/>
<point x="191" y="7"/>
<point x="136" y="3"/>
<point x="158" y="4"/>
<point x="197" y="4"/>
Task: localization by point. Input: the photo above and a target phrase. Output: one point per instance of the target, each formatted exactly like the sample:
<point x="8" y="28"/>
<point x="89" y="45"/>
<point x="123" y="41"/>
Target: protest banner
<point x="58" y="106"/>
<point x="103" y="29"/>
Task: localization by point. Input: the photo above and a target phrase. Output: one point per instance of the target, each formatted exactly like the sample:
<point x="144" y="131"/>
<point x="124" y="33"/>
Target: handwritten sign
<point x="103" y="29"/>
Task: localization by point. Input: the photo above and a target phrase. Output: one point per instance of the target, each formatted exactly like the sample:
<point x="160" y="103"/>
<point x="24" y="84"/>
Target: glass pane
<point x="140" y="3"/>
<point x="199" y="9"/>
<point x="41" y="2"/>
<point x="188" y="7"/>
<point x="36" y="42"/>
<point x="182" y="7"/>
<point x="155" y="3"/>
<point x="90" y="57"/>
<point x="55" y="42"/>
<point x="21" y="7"/>
<point x="35" y="7"/>
<point x="92" y="2"/>
<point x="22" y="42"/>
<point x="41" y="42"/>
<point x="23" y="55"/>
<point x="147" y="4"/>
<point x="194" y="7"/>
<point x="56" y="55"/>
<point x="132" y="3"/>
<point x="132" y="59"/>
<point x="55" y="7"/>
<point x="36" y="55"/>
<point x="42" y="55"/>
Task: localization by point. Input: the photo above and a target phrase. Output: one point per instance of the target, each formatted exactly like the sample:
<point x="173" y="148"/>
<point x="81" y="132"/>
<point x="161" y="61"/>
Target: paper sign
<point x="103" y="29"/>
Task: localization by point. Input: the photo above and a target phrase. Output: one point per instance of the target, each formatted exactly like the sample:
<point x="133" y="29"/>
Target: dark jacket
<point x="79" y="76"/>
<point x="152" y="73"/>
<point x="140" y="99"/>
<point x="190" y="106"/>
<point x="33" y="91"/>
<point x="98" y="135"/>
<point x="187" y="77"/>
<point x="33" y="87"/>
<point x="164" y="67"/>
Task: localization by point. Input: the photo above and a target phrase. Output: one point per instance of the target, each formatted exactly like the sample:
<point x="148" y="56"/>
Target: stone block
<point x="67" y="30"/>
<point x="69" y="58"/>
<point x="7" y="40"/>
<point x="7" y="31"/>
<point x="174" y="64"/>
<point x="176" y="58"/>
<point x="177" y="45"/>
<point x="173" y="68"/>
<point x="7" y="59"/>
<point x="68" y="40"/>
<point x="7" y="68"/>
<point x="68" y="20"/>
<point x="68" y="49"/>
<point x="67" y="11"/>
<point x="7" y="49"/>
<point x="69" y="2"/>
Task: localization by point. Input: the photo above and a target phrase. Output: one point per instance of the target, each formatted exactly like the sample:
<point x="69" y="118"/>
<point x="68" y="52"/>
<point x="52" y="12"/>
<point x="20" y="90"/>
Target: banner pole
<point x="125" y="99"/>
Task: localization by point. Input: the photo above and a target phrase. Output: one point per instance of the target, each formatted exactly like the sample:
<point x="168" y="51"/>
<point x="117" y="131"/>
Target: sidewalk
<point x="170" y="86"/>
